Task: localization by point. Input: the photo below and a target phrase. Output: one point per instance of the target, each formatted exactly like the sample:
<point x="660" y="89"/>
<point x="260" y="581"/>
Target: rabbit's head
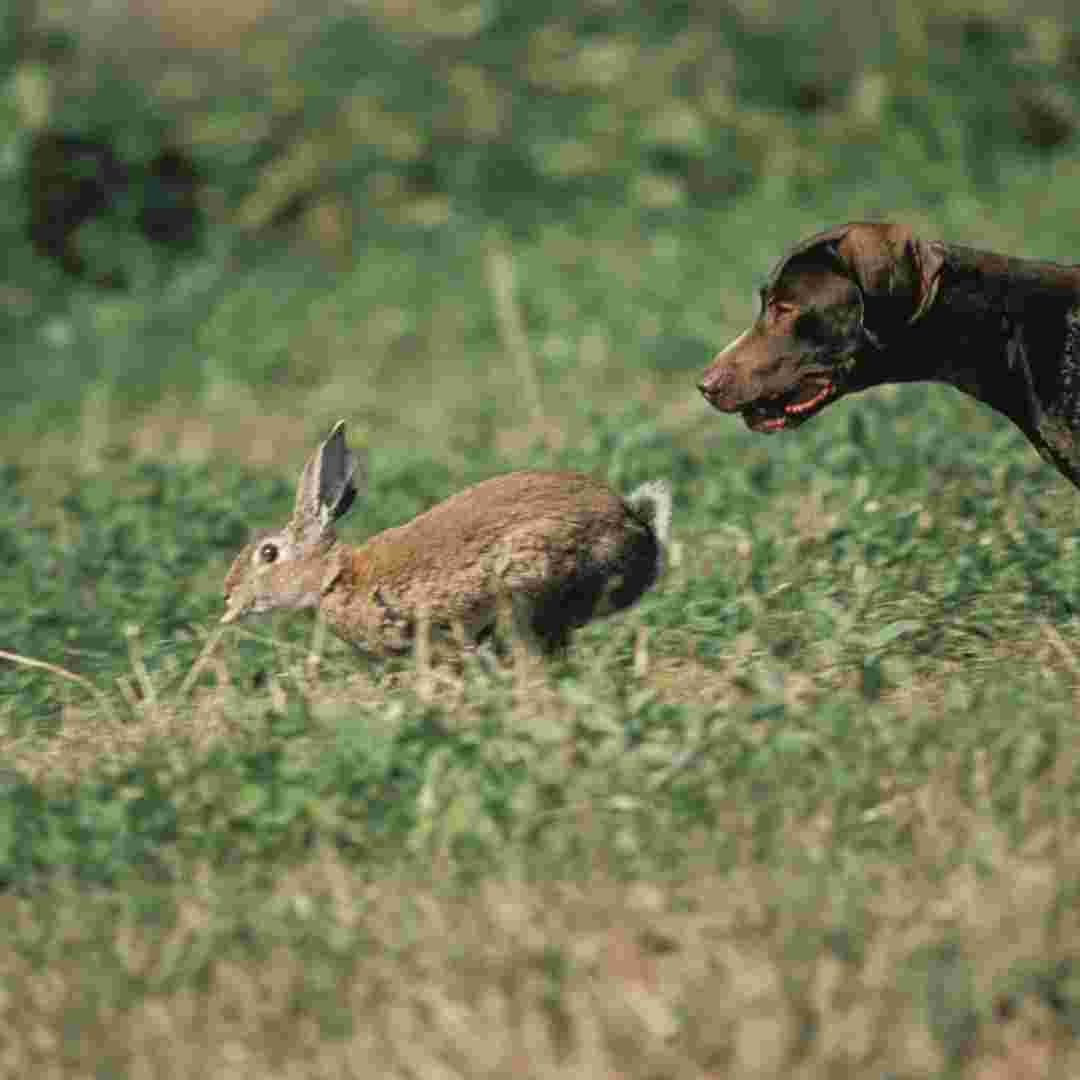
<point x="289" y="567"/>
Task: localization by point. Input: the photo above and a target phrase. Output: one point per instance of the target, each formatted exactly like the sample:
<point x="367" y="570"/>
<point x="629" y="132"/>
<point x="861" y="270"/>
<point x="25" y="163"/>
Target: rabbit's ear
<point x="337" y="473"/>
<point x="326" y="489"/>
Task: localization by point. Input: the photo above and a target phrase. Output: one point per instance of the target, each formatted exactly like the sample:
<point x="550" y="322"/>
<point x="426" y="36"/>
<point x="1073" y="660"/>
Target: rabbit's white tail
<point x="652" y="502"/>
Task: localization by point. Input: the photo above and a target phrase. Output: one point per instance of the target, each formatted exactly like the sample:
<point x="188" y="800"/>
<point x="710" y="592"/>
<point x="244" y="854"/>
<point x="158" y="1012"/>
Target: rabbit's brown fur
<point x="560" y="547"/>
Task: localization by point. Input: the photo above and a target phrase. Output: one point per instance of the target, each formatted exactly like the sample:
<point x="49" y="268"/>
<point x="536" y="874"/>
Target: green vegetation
<point x="808" y="810"/>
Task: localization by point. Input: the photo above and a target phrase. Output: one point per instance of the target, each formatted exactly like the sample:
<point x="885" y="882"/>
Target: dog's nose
<point x="714" y="380"/>
<point x="717" y="386"/>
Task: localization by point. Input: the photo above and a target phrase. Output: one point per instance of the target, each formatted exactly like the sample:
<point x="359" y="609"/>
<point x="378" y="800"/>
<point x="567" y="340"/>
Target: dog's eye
<point x="779" y="308"/>
<point x="268" y="553"/>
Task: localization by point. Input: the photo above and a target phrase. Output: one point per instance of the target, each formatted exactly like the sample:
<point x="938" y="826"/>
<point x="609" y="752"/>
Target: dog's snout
<point x="714" y="390"/>
<point x="710" y="382"/>
<point x="717" y="383"/>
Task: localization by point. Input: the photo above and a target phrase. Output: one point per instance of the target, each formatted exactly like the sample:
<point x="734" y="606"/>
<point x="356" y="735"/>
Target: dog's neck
<point x="1006" y="331"/>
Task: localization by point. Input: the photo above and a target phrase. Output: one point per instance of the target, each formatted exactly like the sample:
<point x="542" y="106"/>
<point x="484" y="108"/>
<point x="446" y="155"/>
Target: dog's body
<point x="866" y="304"/>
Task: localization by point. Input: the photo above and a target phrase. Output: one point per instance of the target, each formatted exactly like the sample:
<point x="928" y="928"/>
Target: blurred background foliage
<point x="493" y="235"/>
<point x="644" y="161"/>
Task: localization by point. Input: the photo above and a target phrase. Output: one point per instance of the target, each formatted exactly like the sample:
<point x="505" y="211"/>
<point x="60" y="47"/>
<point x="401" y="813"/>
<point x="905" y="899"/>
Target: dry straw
<point x="63" y="673"/>
<point x="500" y="272"/>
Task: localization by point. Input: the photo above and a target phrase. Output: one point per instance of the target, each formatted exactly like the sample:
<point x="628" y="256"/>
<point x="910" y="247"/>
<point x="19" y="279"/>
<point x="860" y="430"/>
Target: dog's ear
<point x="897" y="272"/>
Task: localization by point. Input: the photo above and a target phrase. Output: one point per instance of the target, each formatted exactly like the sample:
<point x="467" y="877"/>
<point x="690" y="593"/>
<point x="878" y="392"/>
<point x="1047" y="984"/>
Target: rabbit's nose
<point x="234" y="607"/>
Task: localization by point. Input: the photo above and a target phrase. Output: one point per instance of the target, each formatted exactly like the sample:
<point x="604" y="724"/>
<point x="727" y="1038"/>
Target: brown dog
<point x="865" y="304"/>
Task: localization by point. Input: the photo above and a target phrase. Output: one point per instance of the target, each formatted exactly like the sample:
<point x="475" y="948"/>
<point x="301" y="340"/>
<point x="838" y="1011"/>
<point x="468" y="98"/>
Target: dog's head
<point x="832" y="304"/>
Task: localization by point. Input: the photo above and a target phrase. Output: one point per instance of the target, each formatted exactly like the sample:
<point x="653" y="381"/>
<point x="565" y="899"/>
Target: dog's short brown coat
<point x="870" y="303"/>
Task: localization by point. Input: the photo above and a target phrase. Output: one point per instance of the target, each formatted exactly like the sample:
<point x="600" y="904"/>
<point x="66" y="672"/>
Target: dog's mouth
<point x="791" y="408"/>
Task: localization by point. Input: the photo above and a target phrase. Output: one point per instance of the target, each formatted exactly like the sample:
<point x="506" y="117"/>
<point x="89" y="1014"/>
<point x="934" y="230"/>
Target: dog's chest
<point x="1070" y="358"/>
<point x="1057" y="405"/>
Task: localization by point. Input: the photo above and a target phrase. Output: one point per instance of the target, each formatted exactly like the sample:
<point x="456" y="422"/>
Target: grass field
<point x="809" y="810"/>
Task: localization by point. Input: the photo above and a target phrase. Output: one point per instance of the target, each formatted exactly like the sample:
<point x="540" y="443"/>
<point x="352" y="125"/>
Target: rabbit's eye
<point x="268" y="553"/>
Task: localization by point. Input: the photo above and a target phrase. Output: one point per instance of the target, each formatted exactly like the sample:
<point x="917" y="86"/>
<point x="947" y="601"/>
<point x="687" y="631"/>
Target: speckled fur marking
<point x="1070" y="367"/>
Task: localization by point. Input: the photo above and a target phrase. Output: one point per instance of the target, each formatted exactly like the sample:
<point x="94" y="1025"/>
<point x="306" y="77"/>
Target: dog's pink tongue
<point x="772" y="423"/>
<point x="797" y="407"/>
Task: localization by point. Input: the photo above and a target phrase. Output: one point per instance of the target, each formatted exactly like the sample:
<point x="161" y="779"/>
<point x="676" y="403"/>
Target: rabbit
<point x="560" y="547"/>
